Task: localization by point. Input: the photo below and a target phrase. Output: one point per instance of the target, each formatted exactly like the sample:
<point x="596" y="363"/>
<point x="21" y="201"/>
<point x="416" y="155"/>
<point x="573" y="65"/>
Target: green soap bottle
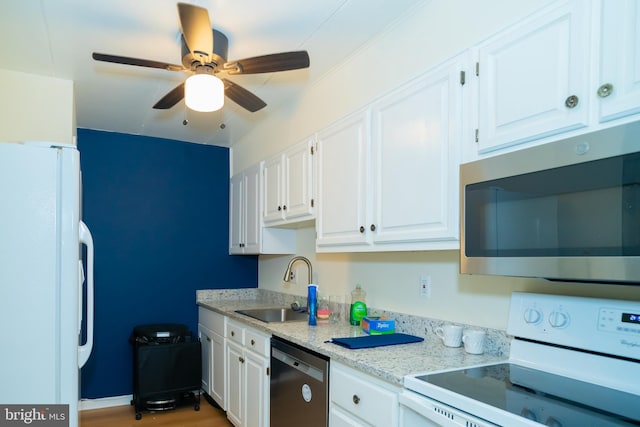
<point x="358" y="306"/>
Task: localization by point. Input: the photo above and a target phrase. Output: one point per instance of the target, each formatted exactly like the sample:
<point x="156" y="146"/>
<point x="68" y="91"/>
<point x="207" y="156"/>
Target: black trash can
<point x="166" y="367"/>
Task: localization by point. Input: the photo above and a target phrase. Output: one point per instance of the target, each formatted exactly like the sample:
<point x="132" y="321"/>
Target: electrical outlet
<point x="425" y="286"/>
<point x="292" y="276"/>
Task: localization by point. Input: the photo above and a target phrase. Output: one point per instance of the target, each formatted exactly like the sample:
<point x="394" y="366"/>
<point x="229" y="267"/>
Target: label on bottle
<point x="358" y="312"/>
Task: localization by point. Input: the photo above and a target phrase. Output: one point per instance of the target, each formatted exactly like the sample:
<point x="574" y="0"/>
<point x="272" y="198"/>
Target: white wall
<point x="36" y="108"/>
<point x="426" y="36"/>
<point x="391" y="280"/>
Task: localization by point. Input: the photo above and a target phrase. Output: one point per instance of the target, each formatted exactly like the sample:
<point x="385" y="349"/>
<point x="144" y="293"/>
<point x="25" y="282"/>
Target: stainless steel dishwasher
<point x="299" y="386"/>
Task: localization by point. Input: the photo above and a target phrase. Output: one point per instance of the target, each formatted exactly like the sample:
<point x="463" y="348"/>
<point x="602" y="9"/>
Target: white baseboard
<point x="105" y="402"/>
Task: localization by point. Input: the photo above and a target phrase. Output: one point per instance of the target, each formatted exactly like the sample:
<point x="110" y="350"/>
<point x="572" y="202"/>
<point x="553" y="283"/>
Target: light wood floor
<point x="184" y="416"/>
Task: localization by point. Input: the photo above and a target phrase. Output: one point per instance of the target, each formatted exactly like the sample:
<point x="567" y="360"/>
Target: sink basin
<point x="271" y="315"/>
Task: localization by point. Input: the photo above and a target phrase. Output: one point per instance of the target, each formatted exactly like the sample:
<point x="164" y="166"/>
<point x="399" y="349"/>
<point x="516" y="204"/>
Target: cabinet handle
<point x="233" y="334"/>
<point x="284" y="208"/>
<point x="241" y="359"/>
<point x="279" y="208"/>
<point x="208" y="339"/>
<point x="571" y="101"/>
<point x="605" y="90"/>
<point x="356" y="399"/>
<point x="253" y="342"/>
<point x="361" y="229"/>
<point x="373" y="227"/>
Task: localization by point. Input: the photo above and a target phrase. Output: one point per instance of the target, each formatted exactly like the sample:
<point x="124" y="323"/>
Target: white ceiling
<point x="56" y="38"/>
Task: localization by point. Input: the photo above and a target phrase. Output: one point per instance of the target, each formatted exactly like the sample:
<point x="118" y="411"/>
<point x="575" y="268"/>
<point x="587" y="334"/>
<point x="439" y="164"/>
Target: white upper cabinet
<point x="388" y="175"/>
<point x="533" y="78"/>
<point x="246" y="234"/>
<point x="618" y="86"/>
<point x="272" y="190"/>
<point x="288" y="185"/>
<point x="244" y="219"/>
<point x="343" y="150"/>
<point x="571" y="68"/>
<point x="416" y="154"/>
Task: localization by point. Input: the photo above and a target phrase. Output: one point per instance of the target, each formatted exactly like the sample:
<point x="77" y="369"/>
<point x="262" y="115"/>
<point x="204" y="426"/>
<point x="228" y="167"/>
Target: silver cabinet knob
<point x="571" y="101"/>
<point x="605" y="90"/>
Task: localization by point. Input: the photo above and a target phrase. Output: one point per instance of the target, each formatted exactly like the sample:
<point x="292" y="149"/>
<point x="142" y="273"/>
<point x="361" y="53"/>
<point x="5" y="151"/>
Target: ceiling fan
<point x="204" y="55"/>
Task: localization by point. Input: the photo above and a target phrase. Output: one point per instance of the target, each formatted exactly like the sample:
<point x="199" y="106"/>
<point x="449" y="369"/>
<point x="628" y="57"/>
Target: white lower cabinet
<point x="211" y="327"/>
<point x="358" y="399"/>
<point x="247" y="376"/>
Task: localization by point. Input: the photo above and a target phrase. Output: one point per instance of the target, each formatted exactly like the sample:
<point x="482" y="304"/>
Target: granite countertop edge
<point x="382" y="362"/>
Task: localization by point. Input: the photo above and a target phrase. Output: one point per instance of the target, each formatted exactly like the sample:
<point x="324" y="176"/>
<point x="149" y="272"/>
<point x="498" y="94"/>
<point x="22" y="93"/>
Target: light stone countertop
<point x="390" y="363"/>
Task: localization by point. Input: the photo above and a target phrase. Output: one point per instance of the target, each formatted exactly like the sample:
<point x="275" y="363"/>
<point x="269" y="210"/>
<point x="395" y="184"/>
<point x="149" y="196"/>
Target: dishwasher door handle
<point x="297" y="364"/>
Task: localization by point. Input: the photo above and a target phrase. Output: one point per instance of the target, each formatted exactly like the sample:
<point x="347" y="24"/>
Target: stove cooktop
<point x="541" y="396"/>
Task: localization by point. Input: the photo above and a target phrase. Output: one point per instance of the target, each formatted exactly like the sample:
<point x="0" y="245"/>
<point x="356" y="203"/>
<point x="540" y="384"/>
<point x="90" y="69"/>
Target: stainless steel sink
<point x="271" y="315"/>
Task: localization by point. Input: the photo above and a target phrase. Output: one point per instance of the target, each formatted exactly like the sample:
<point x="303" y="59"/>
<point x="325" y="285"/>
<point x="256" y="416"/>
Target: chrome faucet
<point x="287" y="274"/>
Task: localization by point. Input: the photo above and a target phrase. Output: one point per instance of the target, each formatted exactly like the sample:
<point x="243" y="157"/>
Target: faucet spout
<point x="287" y="273"/>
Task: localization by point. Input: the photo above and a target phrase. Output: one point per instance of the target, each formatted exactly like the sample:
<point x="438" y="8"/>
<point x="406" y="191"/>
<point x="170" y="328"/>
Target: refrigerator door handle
<point x="84" y="351"/>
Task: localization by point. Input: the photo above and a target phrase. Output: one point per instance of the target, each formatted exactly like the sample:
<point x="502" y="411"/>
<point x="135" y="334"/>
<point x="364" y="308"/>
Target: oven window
<point x="587" y="209"/>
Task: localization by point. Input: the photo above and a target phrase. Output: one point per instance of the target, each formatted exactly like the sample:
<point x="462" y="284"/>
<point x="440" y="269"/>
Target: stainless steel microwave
<point x="566" y="210"/>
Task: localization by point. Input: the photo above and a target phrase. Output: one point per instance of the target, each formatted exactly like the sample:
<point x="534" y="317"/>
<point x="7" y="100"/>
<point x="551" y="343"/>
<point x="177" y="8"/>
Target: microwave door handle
<point x="84" y="351"/>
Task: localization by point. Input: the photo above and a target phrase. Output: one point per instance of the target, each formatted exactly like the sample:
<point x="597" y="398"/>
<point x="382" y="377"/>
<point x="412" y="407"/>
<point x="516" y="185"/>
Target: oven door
<point x="417" y="410"/>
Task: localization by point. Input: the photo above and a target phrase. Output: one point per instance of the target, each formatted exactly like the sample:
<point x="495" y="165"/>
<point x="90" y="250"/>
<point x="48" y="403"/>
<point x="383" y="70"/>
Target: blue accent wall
<point x="158" y="213"/>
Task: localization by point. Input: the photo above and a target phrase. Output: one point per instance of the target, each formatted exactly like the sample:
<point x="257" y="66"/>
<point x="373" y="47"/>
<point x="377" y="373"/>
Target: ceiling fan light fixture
<point x="204" y="92"/>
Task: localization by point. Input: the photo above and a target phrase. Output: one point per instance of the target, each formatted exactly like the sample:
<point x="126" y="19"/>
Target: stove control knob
<point x="559" y="319"/>
<point x="532" y="315"/>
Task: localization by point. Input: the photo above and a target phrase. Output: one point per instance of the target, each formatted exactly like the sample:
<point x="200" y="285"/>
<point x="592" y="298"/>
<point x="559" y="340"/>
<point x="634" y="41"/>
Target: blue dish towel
<point x="369" y="341"/>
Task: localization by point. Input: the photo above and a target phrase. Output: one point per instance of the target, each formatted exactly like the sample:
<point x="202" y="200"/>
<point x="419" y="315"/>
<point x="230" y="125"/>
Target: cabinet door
<point x="340" y="418"/>
<point x="253" y="229"/>
<point x="298" y="181"/>
<point x="416" y="154"/>
<point x="235" y="382"/>
<point x="619" y="59"/>
<point x="529" y="74"/>
<point x="236" y="214"/>
<point x="218" y="370"/>
<point x="206" y="347"/>
<point x="272" y="209"/>
<point x="256" y="390"/>
<point x="342" y="181"/>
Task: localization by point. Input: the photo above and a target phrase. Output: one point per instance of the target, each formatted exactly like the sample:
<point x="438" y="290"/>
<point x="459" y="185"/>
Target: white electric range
<point x="574" y="362"/>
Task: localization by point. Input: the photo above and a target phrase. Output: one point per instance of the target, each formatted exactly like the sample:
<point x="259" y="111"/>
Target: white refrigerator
<point x="42" y="278"/>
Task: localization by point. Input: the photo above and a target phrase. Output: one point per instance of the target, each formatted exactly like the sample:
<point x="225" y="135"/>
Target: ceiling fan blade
<point x="196" y="29"/>
<point x="171" y="99"/>
<point x="136" y="61"/>
<point x="242" y="97"/>
<point x="269" y="63"/>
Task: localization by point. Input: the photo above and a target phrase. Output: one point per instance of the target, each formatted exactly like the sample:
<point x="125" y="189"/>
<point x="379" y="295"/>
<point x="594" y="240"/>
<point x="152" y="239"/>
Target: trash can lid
<point x="160" y="330"/>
